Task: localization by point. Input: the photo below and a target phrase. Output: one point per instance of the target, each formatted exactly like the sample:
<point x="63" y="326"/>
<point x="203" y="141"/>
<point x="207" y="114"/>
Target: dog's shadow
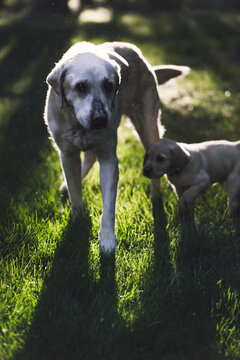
<point x="181" y="308"/>
<point x="72" y="308"/>
<point x="161" y="237"/>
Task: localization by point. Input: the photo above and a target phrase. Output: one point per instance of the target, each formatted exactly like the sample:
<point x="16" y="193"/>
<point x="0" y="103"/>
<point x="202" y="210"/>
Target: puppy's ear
<point x="167" y="72"/>
<point x="56" y="79"/>
<point x="180" y="157"/>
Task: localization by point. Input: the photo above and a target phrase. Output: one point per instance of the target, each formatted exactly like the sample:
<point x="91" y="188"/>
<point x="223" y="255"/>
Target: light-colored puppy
<point x="89" y="90"/>
<point x="192" y="168"/>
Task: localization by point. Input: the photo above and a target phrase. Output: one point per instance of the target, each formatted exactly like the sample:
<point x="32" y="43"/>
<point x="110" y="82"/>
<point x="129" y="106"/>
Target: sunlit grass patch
<point x="227" y="312"/>
<point x="201" y="89"/>
<point x="27" y="251"/>
<point x="98" y="15"/>
<point x="133" y="269"/>
<point x="30" y="232"/>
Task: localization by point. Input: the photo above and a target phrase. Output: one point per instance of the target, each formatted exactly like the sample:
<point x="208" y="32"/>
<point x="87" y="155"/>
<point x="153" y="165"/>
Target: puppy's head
<point x="87" y="84"/>
<point x="164" y="156"/>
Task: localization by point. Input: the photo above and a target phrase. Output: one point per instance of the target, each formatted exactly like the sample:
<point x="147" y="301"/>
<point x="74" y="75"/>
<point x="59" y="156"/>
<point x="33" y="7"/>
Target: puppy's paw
<point x="108" y="243"/>
<point x="183" y="206"/>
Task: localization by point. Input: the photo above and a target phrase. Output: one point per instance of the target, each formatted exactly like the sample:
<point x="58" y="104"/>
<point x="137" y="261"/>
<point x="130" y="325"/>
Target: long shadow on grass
<point x="75" y="316"/>
<point x="177" y="321"/>
<point x="161" y="238"/>
<point x="201" y="258"/>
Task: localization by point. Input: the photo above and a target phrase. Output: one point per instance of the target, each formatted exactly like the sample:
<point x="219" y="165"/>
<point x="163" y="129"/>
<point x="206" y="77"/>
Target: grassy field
<point x="167" y="294"/>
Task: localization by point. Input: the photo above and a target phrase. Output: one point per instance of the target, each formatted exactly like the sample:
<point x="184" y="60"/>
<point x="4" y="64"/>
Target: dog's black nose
<point x="147" y="170"/>
<point x="99" y="121"/>
<point x="99" y="117"/>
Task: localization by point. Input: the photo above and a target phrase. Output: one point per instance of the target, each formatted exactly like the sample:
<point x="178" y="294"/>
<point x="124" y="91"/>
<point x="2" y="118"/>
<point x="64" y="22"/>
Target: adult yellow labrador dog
<point x="89" y="90"/>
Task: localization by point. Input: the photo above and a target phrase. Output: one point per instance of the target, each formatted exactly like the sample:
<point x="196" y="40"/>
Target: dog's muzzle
<point x="99" y="118"/>
<point x="147" y="171"/>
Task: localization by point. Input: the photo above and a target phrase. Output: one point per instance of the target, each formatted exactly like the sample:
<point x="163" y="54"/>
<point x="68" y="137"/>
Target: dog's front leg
<point x="109" y="183"/>
<point x="71" y="165"/>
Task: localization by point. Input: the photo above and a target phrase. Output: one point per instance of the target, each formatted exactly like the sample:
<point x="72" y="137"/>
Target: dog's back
<point x="136" y="72"/>
<point x="218" y="157"/>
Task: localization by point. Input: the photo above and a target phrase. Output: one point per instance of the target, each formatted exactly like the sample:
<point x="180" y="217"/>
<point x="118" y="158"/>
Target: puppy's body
<point x="89" y="90"/>
<point x="192" y="168"/>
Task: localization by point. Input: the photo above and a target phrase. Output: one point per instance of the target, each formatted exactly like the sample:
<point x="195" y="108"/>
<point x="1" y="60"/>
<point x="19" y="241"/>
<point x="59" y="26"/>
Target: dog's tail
<point x="165" y="73"/>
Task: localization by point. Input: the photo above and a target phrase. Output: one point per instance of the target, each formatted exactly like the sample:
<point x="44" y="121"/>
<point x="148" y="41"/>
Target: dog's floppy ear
<point x="56" y="79"/>
<point x="55" y="76"/>
<point x="180" y="157"/>
<point x="167" y="72"/>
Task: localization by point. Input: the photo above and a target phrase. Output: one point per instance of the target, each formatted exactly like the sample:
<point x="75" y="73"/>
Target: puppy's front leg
<point x="71" y="165"/>
<point x="187" y="199"/>
<point x="109" y="183"/>
<point x="185" y="208"/>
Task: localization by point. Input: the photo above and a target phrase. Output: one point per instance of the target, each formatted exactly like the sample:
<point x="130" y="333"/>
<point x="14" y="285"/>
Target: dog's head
<point x="87" y="84"/>
<point x="164" y="156"/>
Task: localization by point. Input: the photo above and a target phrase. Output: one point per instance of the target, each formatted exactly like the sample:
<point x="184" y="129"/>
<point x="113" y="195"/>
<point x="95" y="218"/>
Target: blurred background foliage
<point x="64" y="6"/>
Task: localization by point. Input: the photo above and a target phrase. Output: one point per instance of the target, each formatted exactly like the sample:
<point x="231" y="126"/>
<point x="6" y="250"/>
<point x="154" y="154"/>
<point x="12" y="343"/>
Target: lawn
<point x="168" y="293"/>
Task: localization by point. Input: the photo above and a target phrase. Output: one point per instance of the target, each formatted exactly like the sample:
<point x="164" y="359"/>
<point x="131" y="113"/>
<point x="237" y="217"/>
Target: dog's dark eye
<point x="108" y="86"/>
<point x="160" y="158"/>
<point x="81" y="87"/>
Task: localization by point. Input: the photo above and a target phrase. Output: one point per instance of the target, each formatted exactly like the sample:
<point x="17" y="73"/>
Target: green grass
<point x="168" y="293"/>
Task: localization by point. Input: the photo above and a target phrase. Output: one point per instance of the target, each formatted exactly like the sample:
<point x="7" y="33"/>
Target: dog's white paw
<point x="108" y="243"/>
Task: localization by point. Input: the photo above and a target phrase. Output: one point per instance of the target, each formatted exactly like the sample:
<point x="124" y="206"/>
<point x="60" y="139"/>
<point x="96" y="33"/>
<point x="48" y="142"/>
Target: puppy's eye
<point x="160" y="158"/>
<point x="108" y="86"/>
<point x="81" y="87"/>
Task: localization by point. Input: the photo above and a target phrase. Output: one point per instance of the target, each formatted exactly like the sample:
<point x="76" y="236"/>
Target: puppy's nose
<point x="147" y="170"/>
<point x="99" y="121"/>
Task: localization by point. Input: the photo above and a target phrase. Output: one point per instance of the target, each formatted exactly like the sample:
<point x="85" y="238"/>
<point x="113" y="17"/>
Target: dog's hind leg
<point x="146" y="120"/>
<point x="88" y="160"/>
<point x="145" y="116"/>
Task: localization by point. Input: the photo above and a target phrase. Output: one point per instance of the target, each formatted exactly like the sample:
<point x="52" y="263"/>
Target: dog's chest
<point x="85" y="139"/>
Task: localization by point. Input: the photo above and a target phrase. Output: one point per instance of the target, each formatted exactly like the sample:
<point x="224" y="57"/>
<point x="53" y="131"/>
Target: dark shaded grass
<point x="35" y="45"/>
<point x="24" y="141"/>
